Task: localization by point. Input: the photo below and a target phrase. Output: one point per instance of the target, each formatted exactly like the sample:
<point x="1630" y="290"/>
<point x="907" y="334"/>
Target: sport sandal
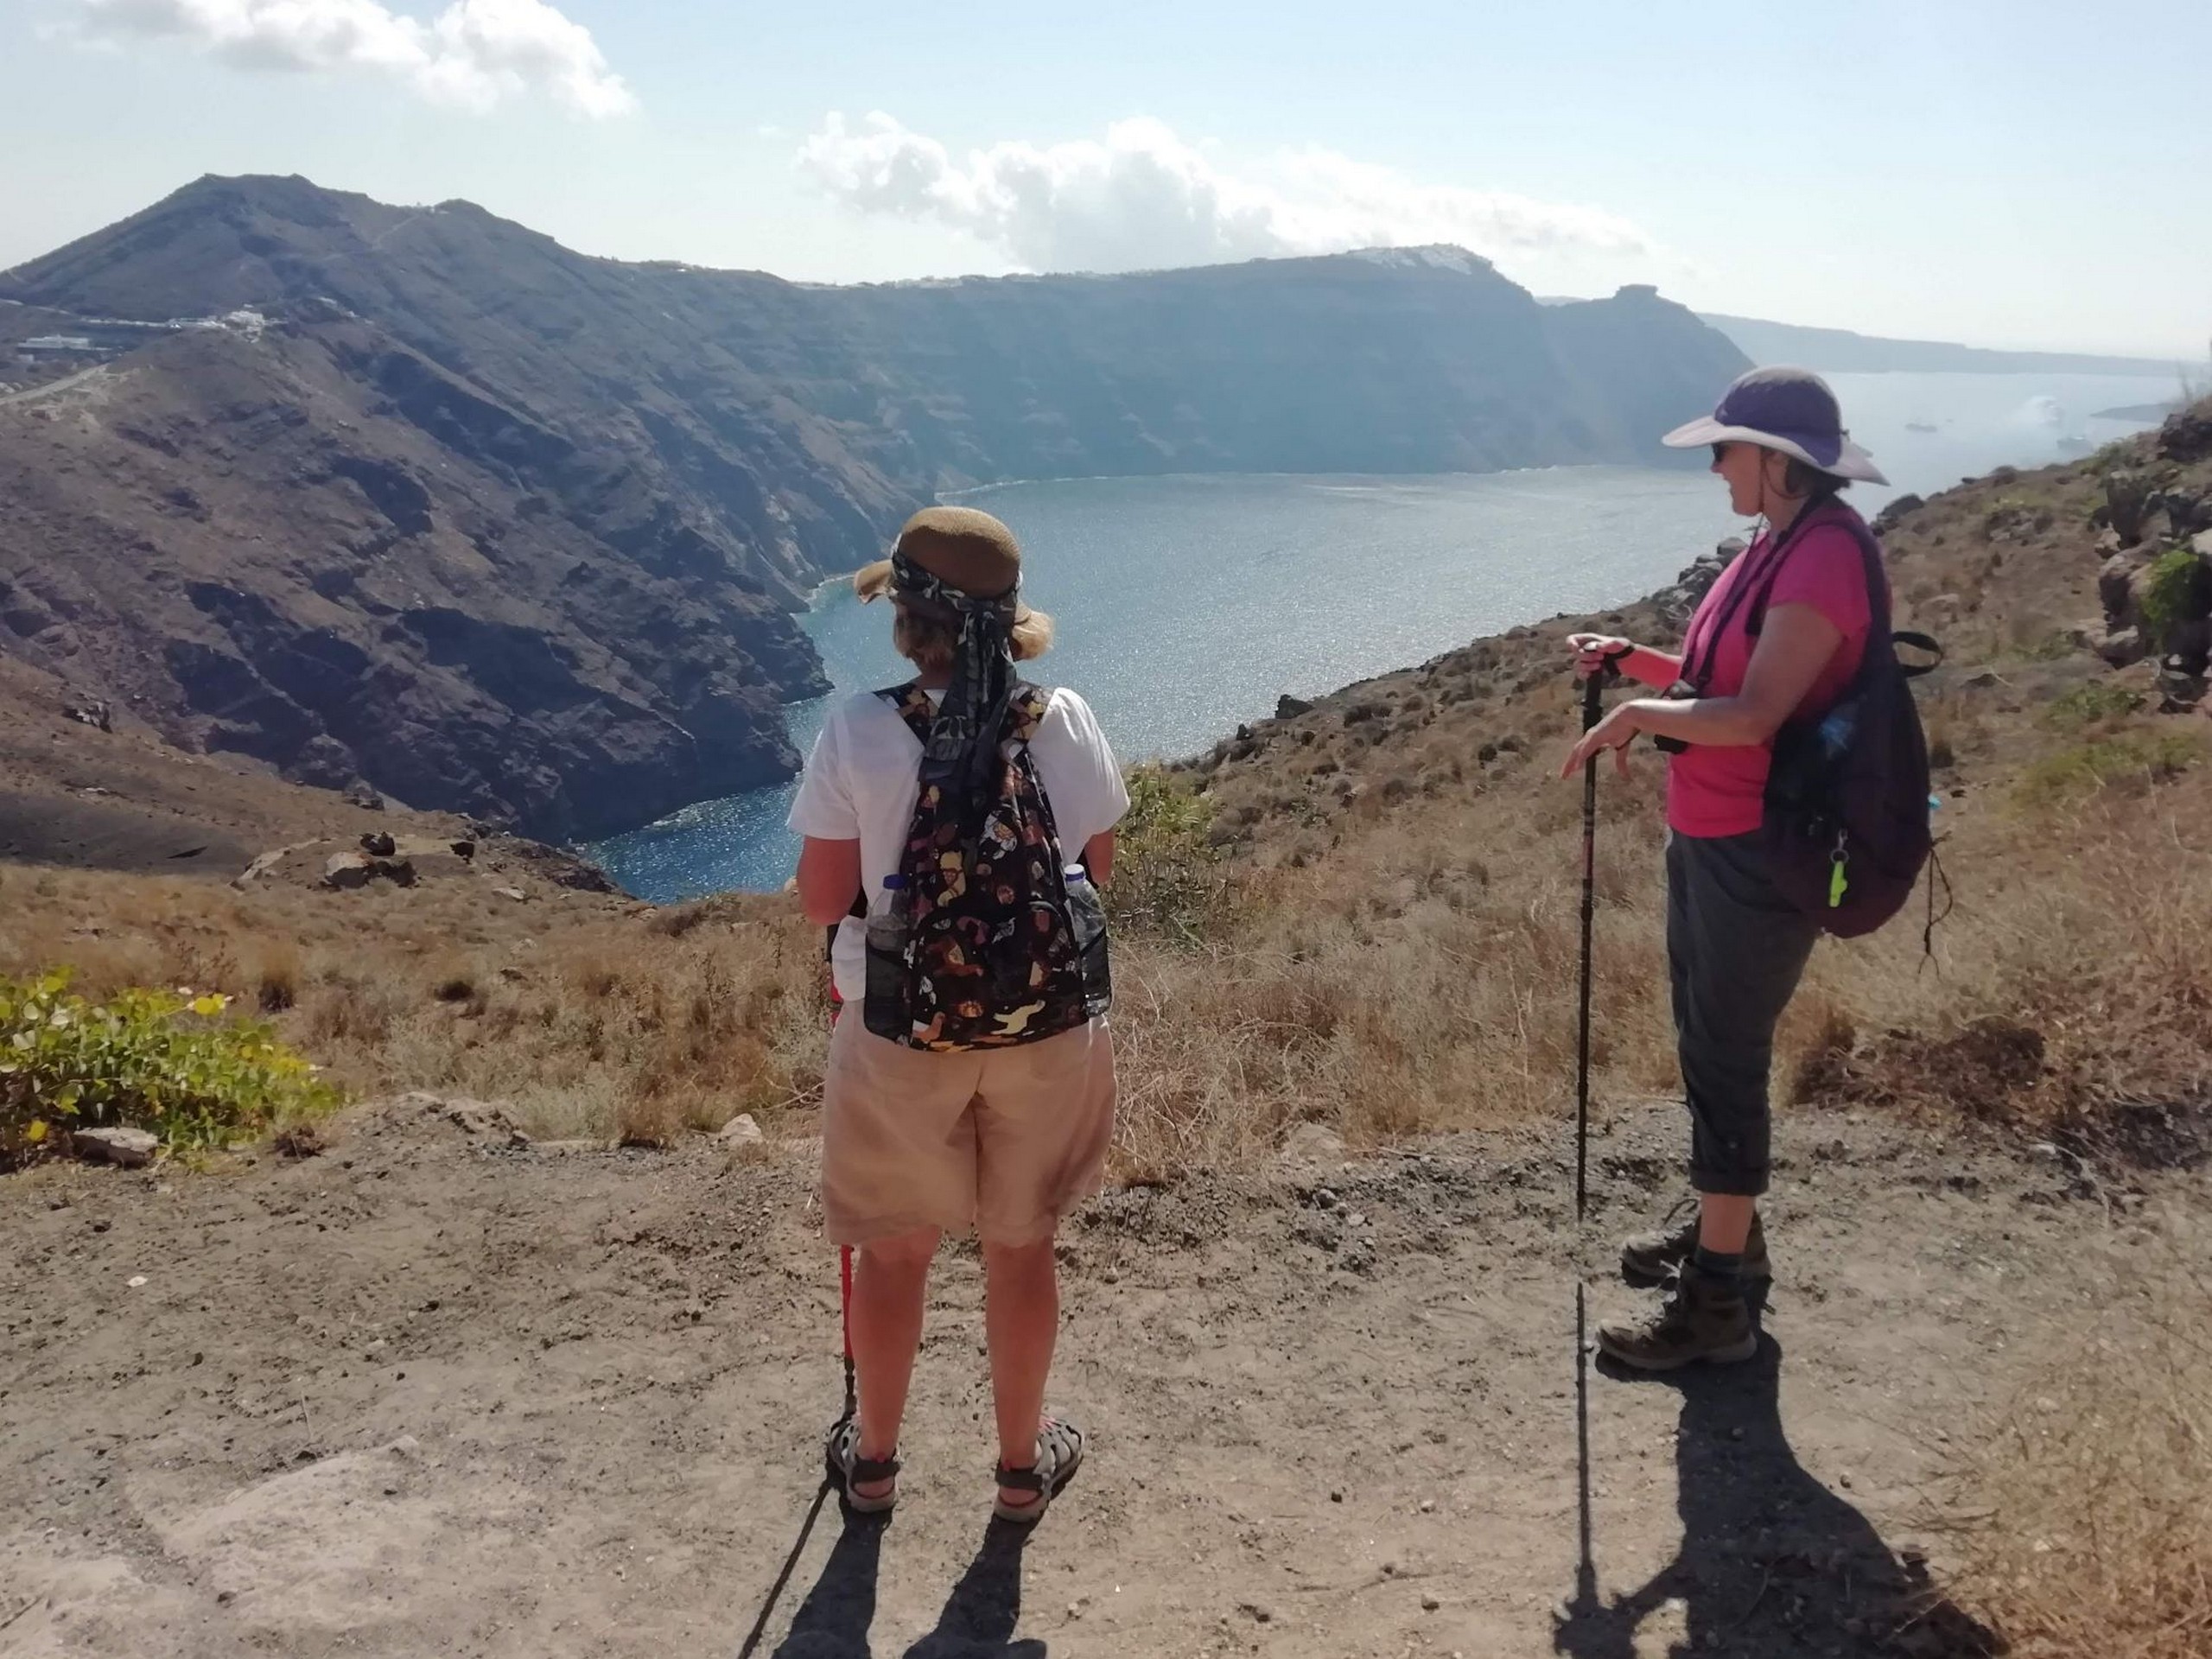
<point x="1059" y="1454"/>
<point x="848" y="1469"/>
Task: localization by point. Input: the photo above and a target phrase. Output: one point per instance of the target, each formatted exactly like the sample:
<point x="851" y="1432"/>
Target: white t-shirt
<point x="862" y="779"/>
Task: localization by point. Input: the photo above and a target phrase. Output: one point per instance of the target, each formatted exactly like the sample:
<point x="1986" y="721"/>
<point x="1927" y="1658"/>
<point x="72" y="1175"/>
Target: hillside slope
<point x="314" y="548"/>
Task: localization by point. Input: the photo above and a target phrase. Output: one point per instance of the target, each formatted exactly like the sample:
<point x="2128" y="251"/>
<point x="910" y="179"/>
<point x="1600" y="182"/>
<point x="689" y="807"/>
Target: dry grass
<point x="2091" y="1530"/>
<point x="2073" y="987"/>
<point x="1395" y="985"/>
<point x="1415" y="969"/>
<point x="597" y="1023"/>
<point x="277" y="975"/>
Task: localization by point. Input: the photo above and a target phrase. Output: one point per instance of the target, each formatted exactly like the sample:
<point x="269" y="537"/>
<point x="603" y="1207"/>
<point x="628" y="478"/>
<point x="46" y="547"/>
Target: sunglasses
<point x="1721" y="451"/>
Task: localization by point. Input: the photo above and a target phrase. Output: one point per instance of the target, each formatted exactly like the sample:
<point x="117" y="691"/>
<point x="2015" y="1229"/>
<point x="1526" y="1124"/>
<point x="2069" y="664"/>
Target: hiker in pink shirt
<point x="1778" y="639"/>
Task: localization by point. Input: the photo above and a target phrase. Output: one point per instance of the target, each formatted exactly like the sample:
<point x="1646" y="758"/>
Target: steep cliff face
<point x="1417" y="360"/>
<point x="256" y="549"/>
<point x="506" y="528"/>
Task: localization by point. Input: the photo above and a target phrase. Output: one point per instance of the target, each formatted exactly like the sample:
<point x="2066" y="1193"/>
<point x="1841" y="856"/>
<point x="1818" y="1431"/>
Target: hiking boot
<point x="1702" y="1318"/>
<point x="1653" y="1258"/>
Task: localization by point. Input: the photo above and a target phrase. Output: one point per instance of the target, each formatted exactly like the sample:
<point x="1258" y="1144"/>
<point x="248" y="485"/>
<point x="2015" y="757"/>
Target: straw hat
<point x="961" y="547"/>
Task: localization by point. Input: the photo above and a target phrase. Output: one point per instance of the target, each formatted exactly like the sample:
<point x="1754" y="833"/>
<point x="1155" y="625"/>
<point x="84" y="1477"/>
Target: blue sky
<point x="2023" y="173"/>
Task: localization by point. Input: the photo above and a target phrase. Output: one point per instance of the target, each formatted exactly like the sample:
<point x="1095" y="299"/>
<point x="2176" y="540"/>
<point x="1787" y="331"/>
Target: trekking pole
<point x="1594" y="693"/>
<point x="844" y="1251"/>
<point x="845" y="1301"/>
<point x="752" y="1643"/>
<point x="1585" y="1604"/>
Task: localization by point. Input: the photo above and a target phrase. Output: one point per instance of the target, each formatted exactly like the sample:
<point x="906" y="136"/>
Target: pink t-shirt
<point x="1721" y="792"/>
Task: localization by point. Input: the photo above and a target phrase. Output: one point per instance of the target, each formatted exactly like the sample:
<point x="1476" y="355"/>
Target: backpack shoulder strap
<point x="1026" y="710"/>
<point x="913" y="706"/>
<point x="1700" y="674"/>
<point x="1832" y="514"/>
<point x="1882" y="637"/>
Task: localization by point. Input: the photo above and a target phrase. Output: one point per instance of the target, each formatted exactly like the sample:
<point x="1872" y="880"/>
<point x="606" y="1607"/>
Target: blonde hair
<point x="930" y="643"/>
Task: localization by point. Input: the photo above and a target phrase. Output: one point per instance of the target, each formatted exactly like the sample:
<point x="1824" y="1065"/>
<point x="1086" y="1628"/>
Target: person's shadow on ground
<point x="980" y="1614"/>
<point x="1772" y="1564"/>
<point x="832" y="1622"/>
<point x="978" y="1623"/>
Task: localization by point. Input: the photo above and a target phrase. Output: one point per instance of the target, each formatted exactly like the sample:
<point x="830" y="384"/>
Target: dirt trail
<point x="55" y="389"/>
<point x="431" y="1393"/>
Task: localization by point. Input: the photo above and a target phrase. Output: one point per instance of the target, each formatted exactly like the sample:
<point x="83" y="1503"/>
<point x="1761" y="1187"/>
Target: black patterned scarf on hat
<point x="962" y="750"/>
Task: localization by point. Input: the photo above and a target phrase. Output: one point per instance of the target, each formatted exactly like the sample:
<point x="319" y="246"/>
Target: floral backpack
<point x="1004" y="939"/>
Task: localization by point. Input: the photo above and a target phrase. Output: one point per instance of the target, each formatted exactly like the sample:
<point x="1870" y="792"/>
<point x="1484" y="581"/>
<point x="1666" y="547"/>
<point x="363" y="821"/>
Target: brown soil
<point x="435" y="1391"/>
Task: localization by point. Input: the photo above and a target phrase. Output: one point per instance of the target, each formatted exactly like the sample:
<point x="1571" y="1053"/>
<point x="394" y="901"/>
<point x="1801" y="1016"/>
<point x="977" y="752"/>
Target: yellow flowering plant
<point x="171" y="1062"/>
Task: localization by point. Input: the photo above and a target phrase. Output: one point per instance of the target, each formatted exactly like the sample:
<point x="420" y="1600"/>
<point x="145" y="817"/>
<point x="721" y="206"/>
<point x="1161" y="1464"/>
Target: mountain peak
<point x="286" y="195"/>
<point x="1434" y="256"/>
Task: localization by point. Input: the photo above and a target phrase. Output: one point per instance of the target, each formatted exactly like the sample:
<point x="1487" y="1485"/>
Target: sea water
<point x="1187" y="604"/>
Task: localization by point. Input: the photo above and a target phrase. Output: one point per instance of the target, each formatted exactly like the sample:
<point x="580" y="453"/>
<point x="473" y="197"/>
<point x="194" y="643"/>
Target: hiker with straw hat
<point x="1779" y="639"/>
<point x="964" y="818"/>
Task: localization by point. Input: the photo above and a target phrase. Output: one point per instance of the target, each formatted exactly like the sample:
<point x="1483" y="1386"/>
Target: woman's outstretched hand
<point x="1615" y="731"/>
<point x="1593" y="651"/>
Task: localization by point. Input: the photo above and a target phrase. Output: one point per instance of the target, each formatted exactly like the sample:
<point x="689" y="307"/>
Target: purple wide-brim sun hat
<point x="1788" y="409"/>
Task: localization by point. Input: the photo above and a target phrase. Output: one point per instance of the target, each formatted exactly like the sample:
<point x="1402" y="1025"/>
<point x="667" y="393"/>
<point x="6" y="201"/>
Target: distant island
<point x="1839" y="351"/>
<point x="2139" y="411"/>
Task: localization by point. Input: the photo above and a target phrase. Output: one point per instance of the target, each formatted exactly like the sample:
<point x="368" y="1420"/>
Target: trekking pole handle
<point x="1593" y="687"/>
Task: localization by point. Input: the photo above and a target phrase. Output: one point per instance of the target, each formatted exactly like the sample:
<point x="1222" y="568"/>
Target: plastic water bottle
<point x="1088" y="916"/>
<point x="887" y="1006"/>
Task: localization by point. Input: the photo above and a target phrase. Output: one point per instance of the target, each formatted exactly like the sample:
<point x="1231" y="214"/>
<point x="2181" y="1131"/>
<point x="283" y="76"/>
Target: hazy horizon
<point x="1995" y="176"/>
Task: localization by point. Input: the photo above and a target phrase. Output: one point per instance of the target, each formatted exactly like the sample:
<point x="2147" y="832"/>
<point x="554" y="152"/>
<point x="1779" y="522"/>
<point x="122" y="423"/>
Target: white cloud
<point x="476" y="53"/>
<point x="1144" y="198"/>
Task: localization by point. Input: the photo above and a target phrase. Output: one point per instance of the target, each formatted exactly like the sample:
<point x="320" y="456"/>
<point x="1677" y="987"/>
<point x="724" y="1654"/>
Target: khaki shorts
<point x="1001" y="1142"/>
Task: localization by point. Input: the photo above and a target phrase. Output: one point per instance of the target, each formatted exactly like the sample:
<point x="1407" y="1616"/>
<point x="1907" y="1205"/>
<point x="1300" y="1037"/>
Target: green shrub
<point x="1168" y="877"/>
<point x="2174" y="590"/>
<point x="2084" y="768"/>
<point x="2085" y="705"/>
<point x="168" y="1062"/>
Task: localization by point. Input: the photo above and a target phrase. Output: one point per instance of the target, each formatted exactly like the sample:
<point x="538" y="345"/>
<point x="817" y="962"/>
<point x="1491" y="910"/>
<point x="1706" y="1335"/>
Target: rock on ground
<point x="132" y="1149"/>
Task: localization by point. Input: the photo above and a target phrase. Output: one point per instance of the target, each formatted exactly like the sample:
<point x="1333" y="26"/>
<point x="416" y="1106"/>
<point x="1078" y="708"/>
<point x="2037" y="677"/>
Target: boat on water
<point x="1920" y="426"/>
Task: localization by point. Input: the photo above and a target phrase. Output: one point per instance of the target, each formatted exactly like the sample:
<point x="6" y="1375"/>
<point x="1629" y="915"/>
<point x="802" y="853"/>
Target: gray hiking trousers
<point x="1736" y="948"/>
